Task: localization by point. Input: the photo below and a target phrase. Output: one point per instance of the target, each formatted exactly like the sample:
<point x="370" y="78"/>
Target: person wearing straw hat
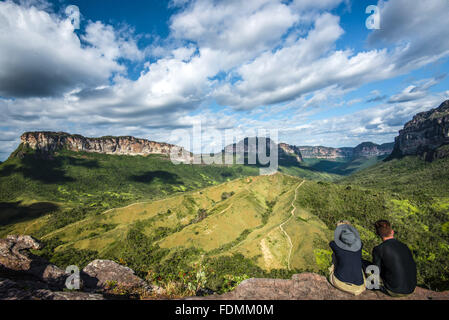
<point x="346" y="272"/>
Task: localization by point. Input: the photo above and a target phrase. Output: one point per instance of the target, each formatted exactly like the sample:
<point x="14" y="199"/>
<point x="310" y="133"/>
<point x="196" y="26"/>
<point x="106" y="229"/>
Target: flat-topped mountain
<point x="247" y="146"/>
<point x="47" y="142"/>
<point x="365" y="149"/>
<point x="424" y="134"/>
<point x="320" y="152"/>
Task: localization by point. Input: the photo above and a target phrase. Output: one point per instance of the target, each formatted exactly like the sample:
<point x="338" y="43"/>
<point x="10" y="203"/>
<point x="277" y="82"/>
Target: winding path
<point x="281" y="226"/>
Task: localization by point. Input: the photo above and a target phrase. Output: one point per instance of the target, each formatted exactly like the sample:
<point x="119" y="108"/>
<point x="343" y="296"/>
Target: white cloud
<point x="40" y="55"/>
<point x="307" y="65"/>
<point x="110" y="43"/>
<point x="416" y="91"/>
<point x="233" y="25"/>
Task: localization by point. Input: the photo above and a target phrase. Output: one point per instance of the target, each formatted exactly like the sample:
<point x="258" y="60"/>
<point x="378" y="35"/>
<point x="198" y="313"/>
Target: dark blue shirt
<point x="347" y="265"/>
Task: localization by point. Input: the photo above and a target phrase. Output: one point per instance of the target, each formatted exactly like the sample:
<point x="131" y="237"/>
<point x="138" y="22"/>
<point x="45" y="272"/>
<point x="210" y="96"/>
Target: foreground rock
<point x="16" y="260"/>
<point x="106" y="274"/>
<point x="309" y="286"/>
<point x="34" y="290"/>
<point x="27" y="276"/>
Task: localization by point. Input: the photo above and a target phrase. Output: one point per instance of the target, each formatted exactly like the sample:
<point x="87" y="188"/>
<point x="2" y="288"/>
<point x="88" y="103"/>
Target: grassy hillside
<point x="306" y="172"/>
<point x="236" y="221"/>
<point x="73" y="185"/>
<point x="409" y="175"/>
<point x="229" y="230"/>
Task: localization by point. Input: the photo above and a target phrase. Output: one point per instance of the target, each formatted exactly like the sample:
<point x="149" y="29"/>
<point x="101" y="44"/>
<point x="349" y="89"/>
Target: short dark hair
<point x="383" y="228"/>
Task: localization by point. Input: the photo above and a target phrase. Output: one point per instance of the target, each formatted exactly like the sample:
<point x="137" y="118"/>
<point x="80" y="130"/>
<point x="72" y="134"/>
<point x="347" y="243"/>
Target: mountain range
<point x="49" y="142"/>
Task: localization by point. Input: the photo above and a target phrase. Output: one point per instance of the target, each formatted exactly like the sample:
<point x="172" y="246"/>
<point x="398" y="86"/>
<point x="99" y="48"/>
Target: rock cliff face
<point x="291" y="150"/>
<point x="424" y="134"/>
<point x="48" y="142"/>
<point x="325" y="152"/>
<point x="365" y="149"/>
<point x="369" y="149"/>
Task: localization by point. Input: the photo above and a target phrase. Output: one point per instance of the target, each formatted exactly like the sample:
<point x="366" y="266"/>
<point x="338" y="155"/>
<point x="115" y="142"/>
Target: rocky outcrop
<point x="27" y="276"/>
<point x="15" y="259"/>
<point x="49" y="142"/>
<point x="291" y="150"/>
<point x="425" y="134"/>
<point x="102" y="274"/>
<point x="309" y="286"/>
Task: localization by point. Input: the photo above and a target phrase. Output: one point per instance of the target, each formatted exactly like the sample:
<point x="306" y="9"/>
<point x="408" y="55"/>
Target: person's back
<point x="346" y="272"/>
<point x="348" y="265"/>
<point x="395" y="261"/>
<point x="397" y="267"/>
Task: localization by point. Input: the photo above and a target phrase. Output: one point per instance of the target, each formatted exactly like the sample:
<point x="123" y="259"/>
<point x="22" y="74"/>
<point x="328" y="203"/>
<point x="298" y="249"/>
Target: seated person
<point x="395" y="261"/>
<point x="346" y="271"/>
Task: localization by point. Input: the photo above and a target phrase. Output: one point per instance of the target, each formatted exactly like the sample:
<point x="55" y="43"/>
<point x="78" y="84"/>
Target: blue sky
<point x="309" y="69"/>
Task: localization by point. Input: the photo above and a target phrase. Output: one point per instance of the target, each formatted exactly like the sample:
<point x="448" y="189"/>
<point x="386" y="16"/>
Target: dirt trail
<point x="281" y="226"/>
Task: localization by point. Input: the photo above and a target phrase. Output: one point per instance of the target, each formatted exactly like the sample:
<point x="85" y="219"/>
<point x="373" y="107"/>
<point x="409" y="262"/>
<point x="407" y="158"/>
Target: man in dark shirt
<point x="395" y="261"/>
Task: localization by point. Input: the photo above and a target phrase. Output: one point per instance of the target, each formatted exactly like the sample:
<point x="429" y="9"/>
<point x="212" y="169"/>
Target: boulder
<point x="16" y="259"/>
<point x="102" y="274"/>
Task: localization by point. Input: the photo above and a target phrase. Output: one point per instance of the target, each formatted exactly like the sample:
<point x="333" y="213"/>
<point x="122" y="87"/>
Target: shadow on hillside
<point x="14" y="212"/>
<point x="47" y="170"/>
<point x="164" y="176"/>
<point x="86" y="163"/>
<point x="328" y="166"/>
<point x="7" y="170"/>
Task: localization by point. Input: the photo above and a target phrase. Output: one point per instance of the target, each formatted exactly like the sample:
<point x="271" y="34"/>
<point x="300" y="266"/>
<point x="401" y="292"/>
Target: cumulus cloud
<point x="307" y="65"/>
<point x="411" y="37"/>
<point x="234" y="26"/>
<point x="41" y="55"/>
